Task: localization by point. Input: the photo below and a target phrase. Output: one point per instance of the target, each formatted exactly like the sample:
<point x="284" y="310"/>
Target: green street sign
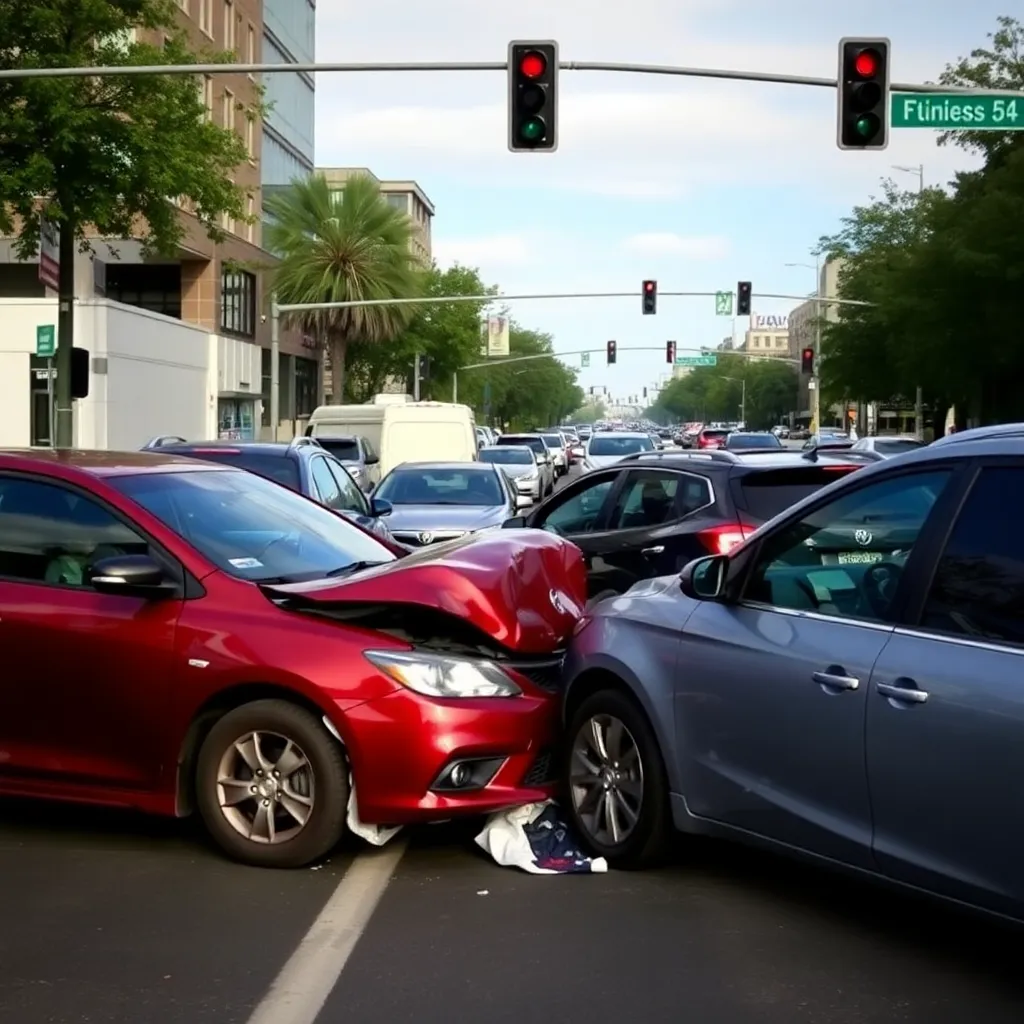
<point x="945" y="111"/>
<point x="696" y="360"/>
<point x="584" y="359"/>
<point x="723" y="303"/>
<point x="46" y="340"/>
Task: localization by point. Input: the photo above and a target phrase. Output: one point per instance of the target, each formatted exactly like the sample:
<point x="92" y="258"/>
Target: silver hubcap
<point x="606" y="780"/>
<point x="265" y="787"/>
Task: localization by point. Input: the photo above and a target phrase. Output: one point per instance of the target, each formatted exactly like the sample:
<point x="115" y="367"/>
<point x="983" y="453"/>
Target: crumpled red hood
<point x="525" y="588"/>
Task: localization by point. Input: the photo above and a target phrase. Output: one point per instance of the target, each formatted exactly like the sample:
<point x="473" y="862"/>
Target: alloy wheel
<point x="265" y="787"/>
<point x="606" y="780"/>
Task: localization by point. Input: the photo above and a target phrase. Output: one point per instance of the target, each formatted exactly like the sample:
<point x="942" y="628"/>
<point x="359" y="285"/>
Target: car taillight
<point x="720" y="540"/>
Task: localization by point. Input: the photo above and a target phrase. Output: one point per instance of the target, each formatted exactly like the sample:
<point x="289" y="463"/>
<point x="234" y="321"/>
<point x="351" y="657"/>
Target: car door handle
<point x="658" y="549"/>
<point x="836" y="680"/>
<point x="908" y="694"/>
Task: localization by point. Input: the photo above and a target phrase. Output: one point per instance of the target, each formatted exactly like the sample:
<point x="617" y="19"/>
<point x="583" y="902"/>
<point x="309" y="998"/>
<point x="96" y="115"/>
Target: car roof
<point x="104" y="464"/>
<point x="479" y="467"/>
<point x="504" y="448"/>
<point x="281" y="448"/>
<point x="626" y="433"/>
<point x="721" y="461"/>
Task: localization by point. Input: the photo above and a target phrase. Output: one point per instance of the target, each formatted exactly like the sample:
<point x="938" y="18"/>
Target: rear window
<point x="762" y="496"/>
<point x="345" y="449"/>
<point x="897" y="447"/>
<point x="536" y="443"/>
<point x="278" y="468"/>
<point x="716" y="433"/>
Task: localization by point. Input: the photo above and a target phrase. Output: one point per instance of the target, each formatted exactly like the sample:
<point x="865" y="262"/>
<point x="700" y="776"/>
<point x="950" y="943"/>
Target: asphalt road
<point x="108" y="917"/>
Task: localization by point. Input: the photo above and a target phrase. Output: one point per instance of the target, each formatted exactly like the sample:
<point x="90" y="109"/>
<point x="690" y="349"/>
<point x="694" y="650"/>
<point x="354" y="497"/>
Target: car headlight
<point x="437" y="675"/>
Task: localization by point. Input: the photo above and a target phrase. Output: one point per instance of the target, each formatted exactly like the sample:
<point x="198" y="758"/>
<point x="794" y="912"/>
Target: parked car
<point x="301" y="465"/>
<point x="544" y="455"/>
<point x="650" y="514"/>
<point x="844" y="685"/>
<point x="440" y="501"/>
<point x="887" y="446"/>
<point x="181" y="635"/>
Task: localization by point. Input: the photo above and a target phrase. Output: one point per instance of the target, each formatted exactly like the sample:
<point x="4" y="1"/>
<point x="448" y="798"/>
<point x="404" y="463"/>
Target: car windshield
<point x="753" y="441"/>
<point x="252" y="528"/>
<point x="897" y="446"/>
<point x="536" y="443"/>
<point x="508" y="456"/>
<point x="429" y="486"/>
<point x="622" y="445"/>
<point x="346" y="449"/>
<point x="554" y="440"/>
<point x="278" y="468"/>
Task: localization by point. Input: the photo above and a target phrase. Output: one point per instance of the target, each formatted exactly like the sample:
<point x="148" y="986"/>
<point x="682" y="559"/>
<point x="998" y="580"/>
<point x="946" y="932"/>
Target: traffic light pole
<point x="390" y="67"/>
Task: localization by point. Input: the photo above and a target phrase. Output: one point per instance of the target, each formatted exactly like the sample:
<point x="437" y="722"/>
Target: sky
<point x="694" y="183"/>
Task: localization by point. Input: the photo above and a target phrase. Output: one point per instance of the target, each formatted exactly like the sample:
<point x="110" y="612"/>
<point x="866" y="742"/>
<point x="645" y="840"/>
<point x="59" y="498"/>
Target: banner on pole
<point x="497" y="336"/>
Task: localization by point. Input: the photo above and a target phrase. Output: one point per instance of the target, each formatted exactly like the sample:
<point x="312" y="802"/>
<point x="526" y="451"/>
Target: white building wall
<point x="152" y="374"/>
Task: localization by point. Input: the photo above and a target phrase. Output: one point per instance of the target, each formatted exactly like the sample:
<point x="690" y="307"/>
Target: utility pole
<point x="416" y="378"/>
<point x="816" y="397"/>
<point x="919" y="394"/>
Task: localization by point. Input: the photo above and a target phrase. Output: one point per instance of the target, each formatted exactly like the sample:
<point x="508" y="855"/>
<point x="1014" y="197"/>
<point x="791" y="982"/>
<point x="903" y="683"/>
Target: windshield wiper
<point x="347" y="570"/>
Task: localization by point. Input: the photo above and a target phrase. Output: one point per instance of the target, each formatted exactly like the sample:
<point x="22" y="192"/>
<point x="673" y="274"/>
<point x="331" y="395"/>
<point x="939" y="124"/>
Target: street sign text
<point x="696" y="360"/>
<point x="46" y="340"/>
<point x="946" y="111"/>
<point x="723" y="303"/>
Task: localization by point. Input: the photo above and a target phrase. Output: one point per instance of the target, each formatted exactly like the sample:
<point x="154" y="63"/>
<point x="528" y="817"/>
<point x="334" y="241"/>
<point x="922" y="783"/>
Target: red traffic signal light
<point x="863" y="106"/>
<point x="650" y="293"/>
<point x="611" y="352"/>
<point x="532" y="96"/>
<point x="670" y="351"/>
<point x="533" y="65"/>
<point x="744" y="292"/>
<point x="807" y="361"/>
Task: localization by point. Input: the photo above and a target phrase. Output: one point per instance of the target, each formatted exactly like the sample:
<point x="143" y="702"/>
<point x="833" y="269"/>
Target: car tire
<point x="318" y="787"/>
<point x="648" y="840"/>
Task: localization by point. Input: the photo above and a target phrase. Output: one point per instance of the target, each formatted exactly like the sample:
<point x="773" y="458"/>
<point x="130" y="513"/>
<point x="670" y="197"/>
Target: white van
<point x="405" y="432"/>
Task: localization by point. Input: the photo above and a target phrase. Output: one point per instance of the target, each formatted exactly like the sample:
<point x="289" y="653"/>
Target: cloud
<point x="494" y="251"/>
<point x="665" y="243"/>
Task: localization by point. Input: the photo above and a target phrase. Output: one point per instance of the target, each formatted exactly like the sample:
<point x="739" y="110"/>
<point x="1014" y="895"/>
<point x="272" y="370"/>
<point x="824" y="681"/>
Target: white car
<point x="605" y="449"/>
<point x="889" y="446"/>
<point x="521" y="467"/>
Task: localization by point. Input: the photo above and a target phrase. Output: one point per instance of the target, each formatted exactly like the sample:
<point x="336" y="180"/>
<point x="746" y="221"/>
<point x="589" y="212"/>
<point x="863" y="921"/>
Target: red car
<point x="181" y="635"/>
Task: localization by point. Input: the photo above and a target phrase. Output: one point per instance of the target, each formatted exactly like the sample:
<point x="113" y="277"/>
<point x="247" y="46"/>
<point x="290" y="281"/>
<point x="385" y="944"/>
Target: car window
<point x="647" y="499"/>
<point x="735" y="441"/>
<point x="279" y="468"/>
<point x="49" y="534"/>
<point x="607" y="445"/>
<point x="508" y="456"/>
<point x="252" y="528"/>
<point x="579" y="514"/>
<point x="535" y="443"/>
<point x="344" y="448"/>
<point x="350" y="497"/>
<point x="897" y="446"/>
<point x="369" y="451"/>
<point x="978" y="588"/>
<point x="325" y="484"/>
<point x="845" y="557"/>
<point x="765" y="494"/>
<point x="414" y="486"/>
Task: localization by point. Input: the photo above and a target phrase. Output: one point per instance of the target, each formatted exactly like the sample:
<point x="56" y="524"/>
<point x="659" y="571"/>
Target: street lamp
<point x="919" y="396"/>
<point x="816" y="379"/>
<point x="743" y="397"/>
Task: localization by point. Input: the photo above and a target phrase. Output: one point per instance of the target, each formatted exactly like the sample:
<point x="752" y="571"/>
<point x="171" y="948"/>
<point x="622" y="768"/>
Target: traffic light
<point x="650" y="292"/>
<point x="611" y="352"/>
<point x="863" y="93"/>
<point x="670" y="351"/>
<point x="807" y="361"/>
<point x="743" y="293"/>
<point x="645" y="392"/>
<point x="532" y="96"/>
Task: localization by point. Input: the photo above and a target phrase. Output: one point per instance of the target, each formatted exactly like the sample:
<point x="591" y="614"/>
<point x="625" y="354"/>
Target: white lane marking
<point x="299" y="992"/>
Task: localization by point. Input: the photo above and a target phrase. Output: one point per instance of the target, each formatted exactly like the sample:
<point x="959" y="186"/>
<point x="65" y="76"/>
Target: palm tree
<point x="338" y="246"/>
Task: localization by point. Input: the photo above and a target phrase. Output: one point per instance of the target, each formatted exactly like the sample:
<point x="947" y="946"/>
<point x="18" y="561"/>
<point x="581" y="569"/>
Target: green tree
<point x="343" y="246"/>
<point x="447" y="333"/>
<point x="590" y="412"/>
<point x="999" y="66"/>
<point x="104" y="154"/>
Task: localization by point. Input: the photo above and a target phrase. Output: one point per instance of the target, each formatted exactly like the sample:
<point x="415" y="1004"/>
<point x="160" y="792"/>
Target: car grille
<point x="546" y="674"/>
<point x="543" y="770"/>
<point x="421" y="538"/>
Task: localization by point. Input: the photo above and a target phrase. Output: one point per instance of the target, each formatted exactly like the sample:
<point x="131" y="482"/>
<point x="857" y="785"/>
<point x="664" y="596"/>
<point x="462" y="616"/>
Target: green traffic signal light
<point x="532" y="129"/>
<point x="867" y="126"/>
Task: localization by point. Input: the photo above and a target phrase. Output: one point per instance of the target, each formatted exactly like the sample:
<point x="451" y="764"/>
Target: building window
<point x="265" y="388"/>
<point x="250" y="227"/>
<point x="206" y="17"/>
<point x="238" y="302"/>
<point x="227" y="109"/>
<point x="307" y="376"/>
<point x="230" y="32"/>
<point x="399" y="202"/>
<point x="250" y="46"/>
<point x="250" y="138"/>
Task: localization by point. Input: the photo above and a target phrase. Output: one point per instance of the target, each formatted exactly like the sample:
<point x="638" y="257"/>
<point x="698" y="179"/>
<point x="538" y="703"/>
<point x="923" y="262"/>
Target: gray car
<point x="440" y="501"/>
<point x="605" y="448"/>
<point x="845" y="685"/>
<point x="358" y="456"/>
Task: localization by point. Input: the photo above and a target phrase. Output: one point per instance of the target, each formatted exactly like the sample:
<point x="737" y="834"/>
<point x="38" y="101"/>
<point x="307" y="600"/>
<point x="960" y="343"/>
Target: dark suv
<point x="301" y="465"/>
<point x="651" y="513"/>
